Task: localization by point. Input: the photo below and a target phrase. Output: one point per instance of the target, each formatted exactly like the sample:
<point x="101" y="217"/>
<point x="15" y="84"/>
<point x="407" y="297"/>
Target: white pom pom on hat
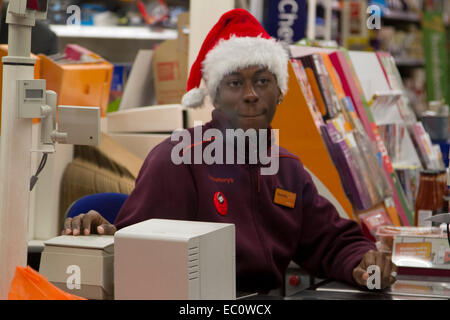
<point x="194" y="98"/>
<point x="236" y="41"/>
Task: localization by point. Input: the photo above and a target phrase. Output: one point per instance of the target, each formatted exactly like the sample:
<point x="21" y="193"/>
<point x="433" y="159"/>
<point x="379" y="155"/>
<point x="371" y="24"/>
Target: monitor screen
<point x="37" y="5"/>
<point x="34" y="94"/>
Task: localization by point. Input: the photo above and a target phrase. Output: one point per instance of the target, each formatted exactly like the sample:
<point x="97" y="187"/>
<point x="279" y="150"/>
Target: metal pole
<point x="15" y="158"/>
<point x="257" y="9"/>
<point x="328" y="18"/>
<point x="345" y="23"/>
<point x="311" y="28"/>
<point x="363" y="18"/>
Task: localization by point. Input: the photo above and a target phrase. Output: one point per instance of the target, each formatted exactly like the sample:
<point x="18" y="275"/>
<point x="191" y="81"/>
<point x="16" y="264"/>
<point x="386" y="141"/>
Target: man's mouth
<point x="255" y="115"/>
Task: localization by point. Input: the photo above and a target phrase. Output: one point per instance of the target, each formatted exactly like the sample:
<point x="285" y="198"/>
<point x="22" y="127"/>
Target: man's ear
<point x="280" y="96"/>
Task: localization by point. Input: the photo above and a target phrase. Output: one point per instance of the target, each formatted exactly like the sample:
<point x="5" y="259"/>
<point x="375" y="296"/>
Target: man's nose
<point x="250" y="95"/>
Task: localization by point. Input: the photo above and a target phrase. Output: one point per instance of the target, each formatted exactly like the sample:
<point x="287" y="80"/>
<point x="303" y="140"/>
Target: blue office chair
<point x="107" y="204"/>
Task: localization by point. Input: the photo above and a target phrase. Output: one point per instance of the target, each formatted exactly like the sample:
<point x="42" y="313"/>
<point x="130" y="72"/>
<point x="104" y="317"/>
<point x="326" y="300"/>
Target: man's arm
<point x="329" y="246"/>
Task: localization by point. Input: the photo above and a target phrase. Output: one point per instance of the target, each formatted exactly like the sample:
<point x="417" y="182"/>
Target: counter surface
<point x="403" y="289"/>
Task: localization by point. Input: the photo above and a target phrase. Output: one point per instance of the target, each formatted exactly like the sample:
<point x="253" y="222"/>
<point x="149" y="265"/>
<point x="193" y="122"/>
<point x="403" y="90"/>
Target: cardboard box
<point x="4" y="53"/>
<point x="139" y="90"/>
<point x="79" y="84"/>
<point x="170" y="65"/>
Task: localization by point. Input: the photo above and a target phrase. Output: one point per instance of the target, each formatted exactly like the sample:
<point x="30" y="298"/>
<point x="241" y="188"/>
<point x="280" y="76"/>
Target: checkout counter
<point x="403" y="289"/>
<point x="166" y="246"/>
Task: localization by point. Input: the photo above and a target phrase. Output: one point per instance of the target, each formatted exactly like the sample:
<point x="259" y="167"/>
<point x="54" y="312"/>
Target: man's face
<point x="248" y="97"/>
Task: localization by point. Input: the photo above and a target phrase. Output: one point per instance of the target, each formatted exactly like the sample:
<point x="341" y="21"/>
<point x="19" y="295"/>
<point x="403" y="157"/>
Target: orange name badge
<point x="284" y="198"/>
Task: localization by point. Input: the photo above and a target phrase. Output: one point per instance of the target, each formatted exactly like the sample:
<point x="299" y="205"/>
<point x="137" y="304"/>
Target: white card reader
<point x="80" y="265"/>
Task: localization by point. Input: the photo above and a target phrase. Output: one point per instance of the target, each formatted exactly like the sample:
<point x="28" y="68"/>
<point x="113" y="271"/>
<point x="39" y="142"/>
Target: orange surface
<point x="298" y="134"/>
<point x="393" y="214"/>
<point x="85" y="84"/>
<point x="418" y="250"/>
<point x="29" y="284"/>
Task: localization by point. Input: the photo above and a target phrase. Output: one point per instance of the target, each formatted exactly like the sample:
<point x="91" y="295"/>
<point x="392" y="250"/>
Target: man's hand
<point x="388" y="270"/>
<point x="87" y="223"/>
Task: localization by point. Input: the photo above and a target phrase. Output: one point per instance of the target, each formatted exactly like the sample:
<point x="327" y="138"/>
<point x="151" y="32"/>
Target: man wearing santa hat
<point x="279" y="218"/>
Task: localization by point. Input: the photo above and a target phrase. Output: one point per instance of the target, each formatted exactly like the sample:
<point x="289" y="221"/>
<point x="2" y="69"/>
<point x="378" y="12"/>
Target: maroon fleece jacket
<point x="268" y="235"/>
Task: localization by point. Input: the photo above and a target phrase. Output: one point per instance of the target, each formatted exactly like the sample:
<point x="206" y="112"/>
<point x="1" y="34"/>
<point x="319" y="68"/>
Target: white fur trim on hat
<point x="194" y="98"/>
<point x="241" y="52"/>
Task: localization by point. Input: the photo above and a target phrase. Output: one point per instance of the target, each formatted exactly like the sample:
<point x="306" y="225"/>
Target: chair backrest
<point x="107" y="204"/>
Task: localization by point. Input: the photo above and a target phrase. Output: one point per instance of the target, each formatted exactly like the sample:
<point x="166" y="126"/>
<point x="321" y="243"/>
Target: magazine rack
<point x="298" y="134"/>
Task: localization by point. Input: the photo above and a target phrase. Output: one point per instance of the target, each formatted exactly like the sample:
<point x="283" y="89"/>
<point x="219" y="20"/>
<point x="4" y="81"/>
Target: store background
<point x="404" y="32"/>
<point x="415" y="32"/>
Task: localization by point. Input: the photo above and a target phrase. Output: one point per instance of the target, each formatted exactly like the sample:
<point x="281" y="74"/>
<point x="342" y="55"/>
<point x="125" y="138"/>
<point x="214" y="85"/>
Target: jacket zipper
<point x="256" y="209"/>
<point x="259" y="179"/>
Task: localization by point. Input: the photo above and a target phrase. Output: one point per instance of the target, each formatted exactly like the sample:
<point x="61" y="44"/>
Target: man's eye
<point x="262" y="81"/>
<point x="234" y="83"/>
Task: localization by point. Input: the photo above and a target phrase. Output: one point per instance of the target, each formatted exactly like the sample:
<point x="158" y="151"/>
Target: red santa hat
<point x="236" y="41"/>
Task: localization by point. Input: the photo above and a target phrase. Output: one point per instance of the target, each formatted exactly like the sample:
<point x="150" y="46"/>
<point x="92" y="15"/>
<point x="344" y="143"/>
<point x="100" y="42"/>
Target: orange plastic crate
<point x="79" y="84"/>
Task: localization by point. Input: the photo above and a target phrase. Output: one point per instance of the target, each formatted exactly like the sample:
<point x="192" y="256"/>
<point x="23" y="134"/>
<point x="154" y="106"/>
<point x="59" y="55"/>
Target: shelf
<point x="112" y="32"/>
<point x="164" y="118"/>
<point x="401" y="16"/>
<point x="409" y="63"/>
